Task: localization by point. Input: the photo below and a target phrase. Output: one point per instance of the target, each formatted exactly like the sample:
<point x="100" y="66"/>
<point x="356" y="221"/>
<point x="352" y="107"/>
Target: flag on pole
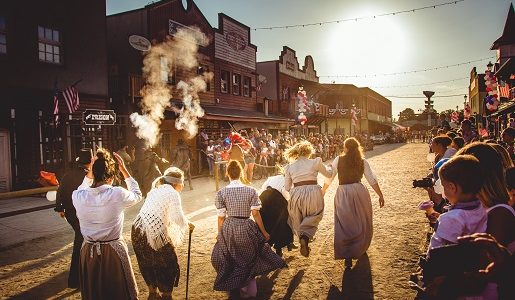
<point x="504" y="90"/>
<point x="71" y="97"/>
<point x="56" y="106"/>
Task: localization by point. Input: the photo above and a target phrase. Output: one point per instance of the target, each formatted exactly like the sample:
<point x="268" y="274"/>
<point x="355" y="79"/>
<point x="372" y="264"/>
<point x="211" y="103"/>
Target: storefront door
<point x="5" y="166"/>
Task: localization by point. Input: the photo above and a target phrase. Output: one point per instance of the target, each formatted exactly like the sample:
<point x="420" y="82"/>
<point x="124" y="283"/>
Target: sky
<point x="429" y="38"/>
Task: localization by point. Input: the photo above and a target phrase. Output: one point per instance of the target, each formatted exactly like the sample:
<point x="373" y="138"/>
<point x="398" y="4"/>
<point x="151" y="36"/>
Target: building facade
<point x="44" y="48"/>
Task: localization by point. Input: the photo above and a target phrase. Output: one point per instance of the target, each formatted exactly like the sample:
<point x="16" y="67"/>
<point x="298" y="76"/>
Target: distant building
<point x="477" y="93"/>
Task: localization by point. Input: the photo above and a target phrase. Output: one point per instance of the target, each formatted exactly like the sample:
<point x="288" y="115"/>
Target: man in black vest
<point x="64" y="206"/>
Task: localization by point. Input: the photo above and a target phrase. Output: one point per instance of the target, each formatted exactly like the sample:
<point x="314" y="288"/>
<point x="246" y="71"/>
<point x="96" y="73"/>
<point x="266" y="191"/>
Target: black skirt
<point x="274" y="212"/>
<point x="159" y="268"/>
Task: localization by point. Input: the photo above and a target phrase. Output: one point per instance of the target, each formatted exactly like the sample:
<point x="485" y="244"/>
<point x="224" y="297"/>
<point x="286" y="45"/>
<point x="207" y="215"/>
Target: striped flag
<point x="71" y="97"/>
<point x="504" y="90"/>
<point x="56" y="107"/>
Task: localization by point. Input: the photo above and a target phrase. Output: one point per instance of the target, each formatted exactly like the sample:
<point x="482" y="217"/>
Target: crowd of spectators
<point x="471" y="211"/>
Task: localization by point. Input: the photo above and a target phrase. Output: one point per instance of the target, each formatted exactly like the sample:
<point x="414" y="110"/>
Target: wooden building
<point x="46" y="45"/>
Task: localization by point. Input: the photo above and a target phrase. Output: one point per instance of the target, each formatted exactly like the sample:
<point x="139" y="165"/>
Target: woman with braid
<point x="352" y="204"/>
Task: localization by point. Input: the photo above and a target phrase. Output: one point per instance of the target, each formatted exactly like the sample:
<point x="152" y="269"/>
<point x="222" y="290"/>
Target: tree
<point x="407" y="114"/>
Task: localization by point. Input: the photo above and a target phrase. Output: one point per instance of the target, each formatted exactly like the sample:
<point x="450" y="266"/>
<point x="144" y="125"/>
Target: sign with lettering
<point x="139" y="43"/>
<point x="236" y="41"/>
<point x="99" y="117"/>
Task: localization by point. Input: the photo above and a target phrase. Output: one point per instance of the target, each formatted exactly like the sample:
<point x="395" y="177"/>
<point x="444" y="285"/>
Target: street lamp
<point x="489" y="66"/>
<point x="429" y="105"/>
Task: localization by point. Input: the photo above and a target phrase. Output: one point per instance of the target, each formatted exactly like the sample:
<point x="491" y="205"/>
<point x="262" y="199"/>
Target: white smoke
<point x="178" y="54"/>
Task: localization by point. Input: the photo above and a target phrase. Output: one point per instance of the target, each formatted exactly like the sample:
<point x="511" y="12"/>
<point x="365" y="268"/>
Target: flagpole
<point x="77" y="82"/>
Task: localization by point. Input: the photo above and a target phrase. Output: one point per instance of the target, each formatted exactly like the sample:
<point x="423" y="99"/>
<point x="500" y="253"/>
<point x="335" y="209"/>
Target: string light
<point x="421" y="84"/>
<point x="409" y="72"/>
<point x="359" y="18"/>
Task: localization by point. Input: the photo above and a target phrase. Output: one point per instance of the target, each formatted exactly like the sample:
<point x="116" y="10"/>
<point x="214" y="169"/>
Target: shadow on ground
<point x="356" y="282"/>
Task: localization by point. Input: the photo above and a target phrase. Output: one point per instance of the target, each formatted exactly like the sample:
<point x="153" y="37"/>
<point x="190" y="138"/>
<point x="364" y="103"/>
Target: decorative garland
<point x="492" y="101"/>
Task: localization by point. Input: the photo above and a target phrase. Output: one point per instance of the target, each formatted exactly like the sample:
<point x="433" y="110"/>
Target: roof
<point x="507" y="68"/>
<point x="508" y="34"/>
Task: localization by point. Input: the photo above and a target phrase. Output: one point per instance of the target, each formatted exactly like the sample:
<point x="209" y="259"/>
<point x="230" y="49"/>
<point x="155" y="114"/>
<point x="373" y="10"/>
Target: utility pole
<point x="429" y="105"/>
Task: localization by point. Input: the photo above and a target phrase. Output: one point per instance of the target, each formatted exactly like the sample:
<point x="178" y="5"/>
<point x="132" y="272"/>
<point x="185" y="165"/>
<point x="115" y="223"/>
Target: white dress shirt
<point x="277" y="183"/>
<point x="304" y="169"/>
<point x="100" y="209"/>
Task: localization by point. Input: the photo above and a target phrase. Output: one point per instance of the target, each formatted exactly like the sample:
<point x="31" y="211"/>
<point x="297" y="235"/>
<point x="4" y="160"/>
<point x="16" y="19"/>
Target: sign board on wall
<point x="233" y="45"/>
<point x="99" y="117"/>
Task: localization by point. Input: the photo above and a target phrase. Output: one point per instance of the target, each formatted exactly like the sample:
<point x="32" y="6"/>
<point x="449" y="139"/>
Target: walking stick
<point x="188" y="264"/>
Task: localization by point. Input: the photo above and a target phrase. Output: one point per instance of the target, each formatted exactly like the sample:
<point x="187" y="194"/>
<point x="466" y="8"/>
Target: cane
<point x="188" y="264"/>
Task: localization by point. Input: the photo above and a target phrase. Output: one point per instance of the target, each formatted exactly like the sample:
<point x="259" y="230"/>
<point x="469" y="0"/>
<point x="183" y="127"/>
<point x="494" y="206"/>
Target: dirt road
<point x="38" y="269"/>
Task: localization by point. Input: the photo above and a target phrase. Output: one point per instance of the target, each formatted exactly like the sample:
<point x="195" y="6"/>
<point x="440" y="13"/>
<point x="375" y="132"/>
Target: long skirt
<point x="240" y="254"/>
<point x="106" y="271"/>
<point x="159" y="268"/>
<point x="306" y="209"/>
<point x="352" y="221"/>
<point x="274" y="212"/>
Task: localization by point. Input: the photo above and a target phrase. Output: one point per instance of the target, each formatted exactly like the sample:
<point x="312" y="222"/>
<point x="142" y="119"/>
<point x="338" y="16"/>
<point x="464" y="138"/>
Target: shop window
<point x="224" y="81"/>
<point x="3" y="35"/>
<point x="49" y="45"/>
<point x="246" y="86"/>
<point x="200" y="71"/>
<point x="236" y="84"/>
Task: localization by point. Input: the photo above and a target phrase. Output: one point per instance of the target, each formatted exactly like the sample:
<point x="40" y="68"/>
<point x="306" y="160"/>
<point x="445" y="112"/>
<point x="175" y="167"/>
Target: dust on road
<point x="38" y="269"/>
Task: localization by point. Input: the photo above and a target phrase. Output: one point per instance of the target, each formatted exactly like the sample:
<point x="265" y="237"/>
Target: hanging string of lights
<point x="423" y="97"/>
<point x="410" y="72"/>
<point x="420" y="84"/>
<point x="359" y="18"/>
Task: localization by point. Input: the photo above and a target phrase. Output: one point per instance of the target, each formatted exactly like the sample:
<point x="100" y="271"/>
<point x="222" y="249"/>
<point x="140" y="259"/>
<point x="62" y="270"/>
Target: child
<point x="462" y="181"/>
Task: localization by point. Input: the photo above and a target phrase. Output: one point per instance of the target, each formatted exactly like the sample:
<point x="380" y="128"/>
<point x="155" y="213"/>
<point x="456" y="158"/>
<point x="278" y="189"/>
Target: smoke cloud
<point x="161" y="63"/>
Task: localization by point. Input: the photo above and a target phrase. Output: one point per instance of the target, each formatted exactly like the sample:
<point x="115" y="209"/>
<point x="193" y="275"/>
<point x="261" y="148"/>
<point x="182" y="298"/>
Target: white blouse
<point x="369" y="174"/>
<point x="304" y="169"/>
<point x="276" y="182"/>
<point x="100" y="209"/>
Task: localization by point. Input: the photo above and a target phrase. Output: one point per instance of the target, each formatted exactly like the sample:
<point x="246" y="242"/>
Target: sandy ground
<point x="38" y="269"/>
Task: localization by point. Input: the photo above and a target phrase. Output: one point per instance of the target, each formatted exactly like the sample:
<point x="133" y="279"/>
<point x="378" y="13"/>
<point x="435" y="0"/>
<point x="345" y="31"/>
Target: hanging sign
<point x="99" y="117"/>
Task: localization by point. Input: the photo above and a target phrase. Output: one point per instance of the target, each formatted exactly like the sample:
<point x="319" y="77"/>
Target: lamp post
<point x="429" y="105"/>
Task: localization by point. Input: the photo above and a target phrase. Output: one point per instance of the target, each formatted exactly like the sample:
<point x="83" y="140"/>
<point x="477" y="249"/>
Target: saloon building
<point x="231" y="98"/>
<point x="46" y="48"/>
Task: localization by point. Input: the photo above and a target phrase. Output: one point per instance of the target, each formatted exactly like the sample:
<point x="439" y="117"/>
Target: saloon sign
<point x="235" y="40"/>
<point x="99" y="117"/>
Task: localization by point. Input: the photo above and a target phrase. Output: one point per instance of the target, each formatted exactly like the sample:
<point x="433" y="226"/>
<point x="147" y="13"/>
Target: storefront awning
<point x="224" y="114"/>
<point x="504" y="108"/>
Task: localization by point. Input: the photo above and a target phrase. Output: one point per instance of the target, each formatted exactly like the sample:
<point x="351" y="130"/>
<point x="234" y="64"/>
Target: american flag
<point x="56" y="106"/>
<point x="71" y="97"/>
<point x="504" y="90"/>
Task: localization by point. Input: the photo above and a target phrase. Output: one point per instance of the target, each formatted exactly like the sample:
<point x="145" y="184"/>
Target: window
<point x="164" y="69"/>
<point x="50" y="45"/>
<point x="236" y="83"/>
<point x="246" y="86"/>
<point x="3" y="35"/>
<point x="224" y="82"/>
<point x="200" y="71"/>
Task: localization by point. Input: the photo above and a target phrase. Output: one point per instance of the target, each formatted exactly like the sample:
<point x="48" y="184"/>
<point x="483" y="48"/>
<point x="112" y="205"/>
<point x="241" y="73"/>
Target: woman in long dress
<point x="158" y="230"/>
<point x="306" y="206"/>
<point x="241" y="252"/>
<point x="105" y="267"/>
<point x="352" y="204"/>
<point x="274" y="212"/>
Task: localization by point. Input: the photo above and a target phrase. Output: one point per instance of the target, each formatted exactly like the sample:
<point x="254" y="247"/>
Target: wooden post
<point x="217" y="176"/>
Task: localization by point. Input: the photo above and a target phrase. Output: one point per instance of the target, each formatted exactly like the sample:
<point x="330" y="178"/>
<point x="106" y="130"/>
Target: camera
<point x="423" y="183"/>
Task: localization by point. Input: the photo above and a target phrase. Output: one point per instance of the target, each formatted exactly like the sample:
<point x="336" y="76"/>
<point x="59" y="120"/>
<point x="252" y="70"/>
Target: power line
<point x="422" y="97"/>
<point x="409" y="72"/>
<point x="359" y="18"/>
<point x="421" y="84"/>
